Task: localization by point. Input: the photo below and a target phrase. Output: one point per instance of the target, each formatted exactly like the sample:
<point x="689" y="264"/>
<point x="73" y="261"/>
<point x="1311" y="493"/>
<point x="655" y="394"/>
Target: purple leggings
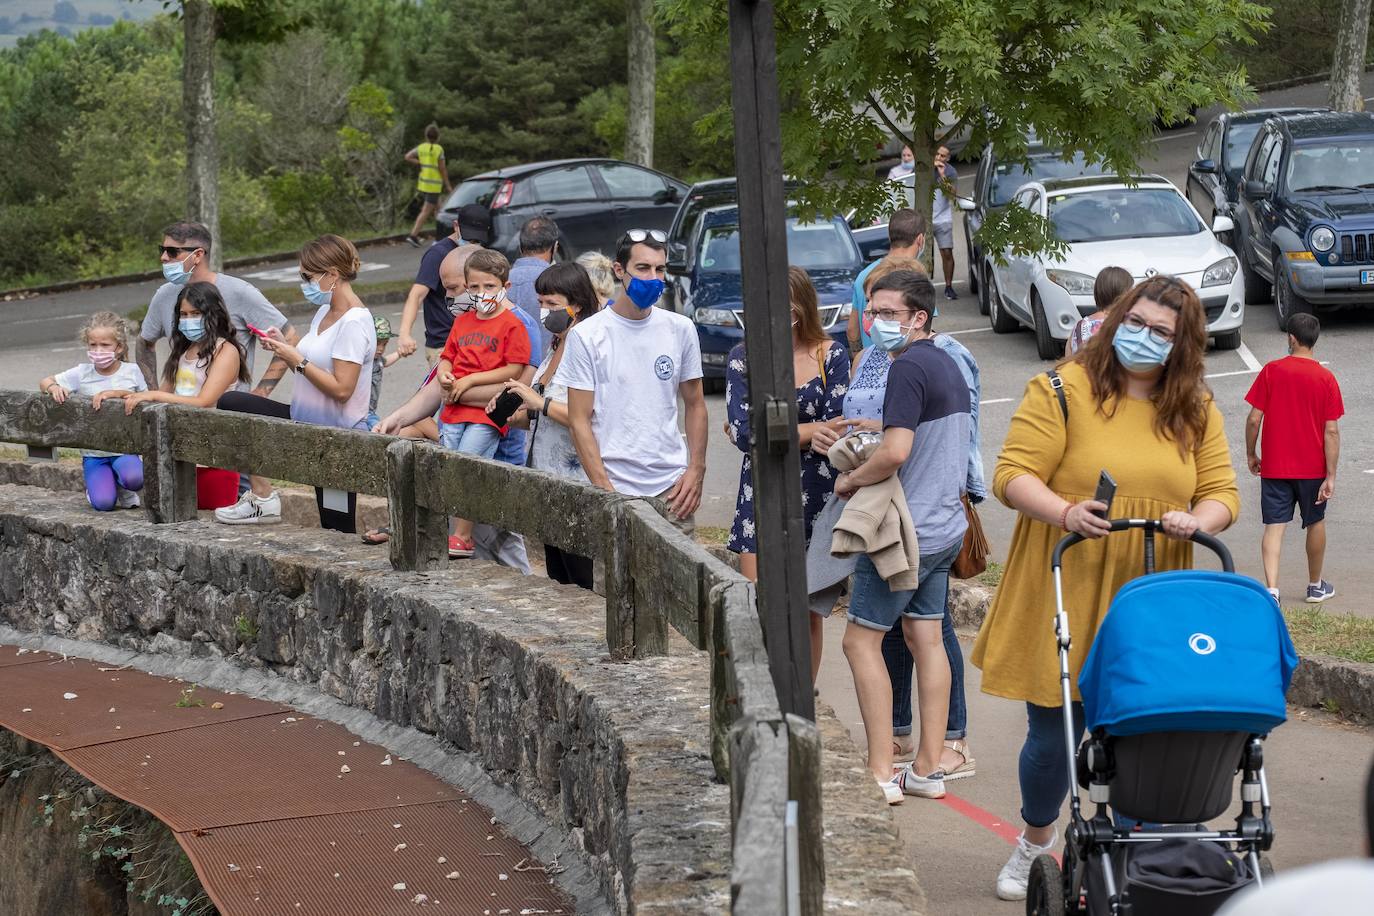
<point x="102" y="474"/>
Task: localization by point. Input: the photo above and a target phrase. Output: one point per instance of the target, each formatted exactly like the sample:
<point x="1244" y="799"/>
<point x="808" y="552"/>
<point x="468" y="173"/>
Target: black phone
<point x="1106" y="492"/>
<point x="508" y="402"/>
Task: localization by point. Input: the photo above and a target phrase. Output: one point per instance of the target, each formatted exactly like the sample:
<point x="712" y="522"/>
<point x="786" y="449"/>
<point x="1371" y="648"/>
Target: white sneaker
<point x="1275" y="593"/>
<point x="127" y="499"/>
<point x="892" y="791"/>
<point x="251" y="510"/>
<point x="1015" y="875"/>
<point x="932" y="786"/>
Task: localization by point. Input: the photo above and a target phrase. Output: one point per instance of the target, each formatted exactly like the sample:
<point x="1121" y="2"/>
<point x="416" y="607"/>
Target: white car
<point x="1148" y="229"/>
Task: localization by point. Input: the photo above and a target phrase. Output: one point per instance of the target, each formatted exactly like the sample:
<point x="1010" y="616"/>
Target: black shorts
<point x="1278" y="497"/>
<point x="427" y="197"/>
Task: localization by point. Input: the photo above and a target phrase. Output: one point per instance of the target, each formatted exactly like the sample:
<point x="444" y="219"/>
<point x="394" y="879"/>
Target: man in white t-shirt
<point x="624" y="369"/>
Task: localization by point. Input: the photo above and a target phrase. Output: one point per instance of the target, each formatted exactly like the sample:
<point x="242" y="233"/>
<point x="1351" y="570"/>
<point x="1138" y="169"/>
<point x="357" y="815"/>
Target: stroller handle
<point x="1151" y="525"/>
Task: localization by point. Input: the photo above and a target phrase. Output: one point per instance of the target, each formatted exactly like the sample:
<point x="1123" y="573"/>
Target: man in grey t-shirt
<point x="185" y="254"/>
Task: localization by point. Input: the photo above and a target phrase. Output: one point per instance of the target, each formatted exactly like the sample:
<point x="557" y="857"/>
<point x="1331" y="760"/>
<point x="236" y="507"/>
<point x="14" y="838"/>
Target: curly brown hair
<point x="1181" y="397"/>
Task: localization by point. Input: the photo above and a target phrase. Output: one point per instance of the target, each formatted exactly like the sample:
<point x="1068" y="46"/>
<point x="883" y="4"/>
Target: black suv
<point x="996" y="183"/>
<point x="1304" y="227"/>
<point x="1214" y="177"/>
<point x="593" y="200"/>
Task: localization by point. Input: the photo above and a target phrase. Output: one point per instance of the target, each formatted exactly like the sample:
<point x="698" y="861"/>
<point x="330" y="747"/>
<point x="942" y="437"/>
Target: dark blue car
<point x="706" y="282"/>
<point x="1304" y="227"/>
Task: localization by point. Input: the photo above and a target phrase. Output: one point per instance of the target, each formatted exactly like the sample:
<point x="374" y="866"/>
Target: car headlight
<point x="723" y="318"/>
<point x="845" y="309"/>
<point x="1220" y="273"/>
<point x="1323" y="239"/>
<point x="1075" y="283"/>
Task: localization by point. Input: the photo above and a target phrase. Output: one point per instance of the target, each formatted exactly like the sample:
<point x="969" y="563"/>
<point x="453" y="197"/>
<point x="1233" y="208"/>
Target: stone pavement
<point x="1316" y="766"/>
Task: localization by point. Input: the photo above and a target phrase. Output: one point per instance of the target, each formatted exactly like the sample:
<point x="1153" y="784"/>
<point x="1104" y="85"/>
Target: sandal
<point x="965" y="769"/>
<point x="377" y="536"/>
<point x="900" y="756"/>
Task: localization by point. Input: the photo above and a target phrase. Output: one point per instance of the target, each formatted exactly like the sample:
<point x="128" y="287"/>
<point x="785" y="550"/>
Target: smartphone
<point x="1106" y="492"/>
<point x="506" y="404"/>
<point x="255" y="331"/>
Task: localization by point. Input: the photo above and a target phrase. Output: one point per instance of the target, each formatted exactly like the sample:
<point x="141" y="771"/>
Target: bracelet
<point x="547" y="402"/>
<point x="1064" y="517"/>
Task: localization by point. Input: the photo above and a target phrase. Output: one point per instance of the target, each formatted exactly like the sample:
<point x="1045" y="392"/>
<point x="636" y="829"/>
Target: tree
<point x="639" y="132"/>
<point x="1347" y="62"/>
<point x="65" y="11"/>
<point x="1083" y="75"/>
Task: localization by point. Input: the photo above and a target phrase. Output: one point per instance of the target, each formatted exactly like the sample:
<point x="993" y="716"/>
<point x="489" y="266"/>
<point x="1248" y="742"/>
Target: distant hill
<point x="24" y="17"/>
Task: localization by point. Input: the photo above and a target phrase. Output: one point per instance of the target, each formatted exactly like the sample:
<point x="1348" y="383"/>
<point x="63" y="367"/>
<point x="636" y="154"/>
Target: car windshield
<point x="1332" y="167"/>
<point x="1237" y="146"/>
<point x="1121" y="213"/>
<point x="473" y="191"/>
<point x="815" y="246"/>
<point x="1008" y="176"/>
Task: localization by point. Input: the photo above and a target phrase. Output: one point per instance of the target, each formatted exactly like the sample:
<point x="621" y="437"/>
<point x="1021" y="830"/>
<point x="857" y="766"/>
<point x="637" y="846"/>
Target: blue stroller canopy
<point x="1191" y="650"/>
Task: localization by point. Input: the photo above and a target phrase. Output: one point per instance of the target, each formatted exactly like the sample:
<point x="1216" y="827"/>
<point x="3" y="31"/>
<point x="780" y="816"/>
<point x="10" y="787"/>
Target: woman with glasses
<point x="820" y="367"/>
<point x="1135" y="405"/>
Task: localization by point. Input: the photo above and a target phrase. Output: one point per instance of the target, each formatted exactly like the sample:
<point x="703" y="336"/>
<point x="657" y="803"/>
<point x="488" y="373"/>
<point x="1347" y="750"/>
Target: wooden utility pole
<point x="198" y="102"/>
<point x="1347" y="62"/>
<point x="639" y="121"/>
<point x="782" y="596"/>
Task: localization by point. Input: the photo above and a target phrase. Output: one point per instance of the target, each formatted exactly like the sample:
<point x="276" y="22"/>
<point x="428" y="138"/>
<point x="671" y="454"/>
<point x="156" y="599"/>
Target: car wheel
<point x="1045" y="888"/>
<point x="1286" y="302"/>
<point x="1045" y="344"/>
<point x="983" y="291"/>
<point x="1001" y="322"/>
<point x="1228" y="340"/>
<point x="1257" y="289"/>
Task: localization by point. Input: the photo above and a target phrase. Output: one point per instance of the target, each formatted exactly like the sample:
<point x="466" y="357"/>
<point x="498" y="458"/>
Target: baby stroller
<point x="1185" y="678"/>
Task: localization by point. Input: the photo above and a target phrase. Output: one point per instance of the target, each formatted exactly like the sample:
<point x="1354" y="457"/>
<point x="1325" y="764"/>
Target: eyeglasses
<point x="638" y="235"/>
<point x="172" y="251"/>
<point x="887" y="314"/>
<point x="1158" y="334"/>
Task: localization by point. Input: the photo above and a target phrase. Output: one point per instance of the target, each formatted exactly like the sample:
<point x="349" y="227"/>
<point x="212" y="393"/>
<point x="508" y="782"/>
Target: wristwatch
<point x="300" y="367"/>
<point x="547" y="402"/>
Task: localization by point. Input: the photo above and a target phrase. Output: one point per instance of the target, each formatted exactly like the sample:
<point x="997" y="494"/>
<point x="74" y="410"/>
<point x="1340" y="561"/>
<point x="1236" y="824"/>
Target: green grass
<point x="709" y="535"/>
<point x="992" y="576"/>
<point x="1316" y="632"/>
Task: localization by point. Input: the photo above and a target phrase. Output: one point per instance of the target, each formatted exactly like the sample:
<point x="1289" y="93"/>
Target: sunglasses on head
<point x="639" y="235"/>
<point x="172" y="251"/>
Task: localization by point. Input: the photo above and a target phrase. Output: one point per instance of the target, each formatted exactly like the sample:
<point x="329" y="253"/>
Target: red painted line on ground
<point x="984" y="819"/>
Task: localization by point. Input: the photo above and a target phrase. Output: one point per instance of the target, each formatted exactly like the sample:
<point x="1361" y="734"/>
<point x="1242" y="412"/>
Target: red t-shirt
<point x="480" y="345"/>
<point x="1298" y="397"/>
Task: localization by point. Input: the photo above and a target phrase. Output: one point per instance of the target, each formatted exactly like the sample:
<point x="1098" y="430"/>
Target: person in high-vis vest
<point x="429" y="156"/>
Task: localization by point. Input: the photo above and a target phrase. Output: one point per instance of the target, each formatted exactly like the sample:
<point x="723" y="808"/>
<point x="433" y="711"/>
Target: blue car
<point x="706" y="285"/>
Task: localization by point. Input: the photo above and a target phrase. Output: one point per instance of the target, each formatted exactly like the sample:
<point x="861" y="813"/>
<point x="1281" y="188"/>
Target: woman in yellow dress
<point x="1135" y="404"/>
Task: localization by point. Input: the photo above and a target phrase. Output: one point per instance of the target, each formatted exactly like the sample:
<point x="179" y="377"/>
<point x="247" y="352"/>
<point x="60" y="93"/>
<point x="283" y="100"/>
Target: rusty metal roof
<point x="279" y="812"/>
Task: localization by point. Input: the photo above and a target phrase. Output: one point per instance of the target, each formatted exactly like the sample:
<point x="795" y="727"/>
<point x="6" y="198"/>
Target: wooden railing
<point x="655" y="577"/>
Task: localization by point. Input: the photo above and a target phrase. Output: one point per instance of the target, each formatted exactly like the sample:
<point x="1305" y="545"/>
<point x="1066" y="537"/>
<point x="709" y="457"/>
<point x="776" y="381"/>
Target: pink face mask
<point x="102" y="359"/>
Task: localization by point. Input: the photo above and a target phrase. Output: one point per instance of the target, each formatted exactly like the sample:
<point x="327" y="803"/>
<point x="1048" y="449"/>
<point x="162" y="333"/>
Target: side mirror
<point x="1205" y="165"/>
<point x="677" y="258"/>
<point x="1222" y="224"/>
<point x="965" y="203"/>
<point x="1254" y="190"/>
<point x="666" y="196"/>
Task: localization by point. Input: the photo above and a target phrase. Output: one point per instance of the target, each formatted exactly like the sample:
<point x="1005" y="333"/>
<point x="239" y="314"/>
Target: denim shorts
<point x="877" y="607"/>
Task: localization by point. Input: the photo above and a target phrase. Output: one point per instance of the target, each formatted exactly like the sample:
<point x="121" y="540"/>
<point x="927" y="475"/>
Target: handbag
<point x="973" y="553"/>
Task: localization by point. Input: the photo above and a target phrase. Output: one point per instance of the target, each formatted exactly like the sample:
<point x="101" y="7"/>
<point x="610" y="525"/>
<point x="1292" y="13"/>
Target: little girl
<point x="110" y="479"/>
<point x="205" y="362"/>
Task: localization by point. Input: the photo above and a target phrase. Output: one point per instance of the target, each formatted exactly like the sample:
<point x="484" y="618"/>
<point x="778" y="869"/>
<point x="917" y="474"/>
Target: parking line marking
<point x="1161" y="137"/>
<point x="1230" y="374"/>
<point x="996" y="401"/>
<point x="967" y="331"/>
<point x="50" y="318"/>
<point x="1248" y="358"/>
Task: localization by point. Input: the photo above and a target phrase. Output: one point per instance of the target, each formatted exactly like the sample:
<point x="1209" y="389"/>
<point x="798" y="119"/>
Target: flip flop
<point x="377" y="536"/>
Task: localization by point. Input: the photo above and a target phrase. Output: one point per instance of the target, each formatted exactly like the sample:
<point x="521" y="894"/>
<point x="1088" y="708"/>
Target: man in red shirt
<point x="1297" y="403"/>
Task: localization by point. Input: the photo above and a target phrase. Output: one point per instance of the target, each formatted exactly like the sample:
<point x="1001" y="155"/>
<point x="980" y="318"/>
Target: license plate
<point x="1367" y="277"/>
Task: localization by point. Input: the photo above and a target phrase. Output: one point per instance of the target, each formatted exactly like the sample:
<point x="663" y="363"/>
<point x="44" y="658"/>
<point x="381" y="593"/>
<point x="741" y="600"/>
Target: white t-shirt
<point x="1340" y="887"/>
<point x="353" y="338"/>
<point x="634" y="367"/>
<point x="84" y="379"/>
<point x="244" y="301"/>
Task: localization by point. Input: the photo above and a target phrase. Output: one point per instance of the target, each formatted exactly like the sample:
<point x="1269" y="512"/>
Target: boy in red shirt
<point x="1297" y="402"/>
<point x="487" y="345"/>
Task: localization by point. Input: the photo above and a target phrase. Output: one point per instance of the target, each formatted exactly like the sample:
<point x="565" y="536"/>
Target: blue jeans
<point x="470" y="438"/>
<point x="512" y="448"/>
<point x="1043" y="770"/>
<point x="899" y="667"/>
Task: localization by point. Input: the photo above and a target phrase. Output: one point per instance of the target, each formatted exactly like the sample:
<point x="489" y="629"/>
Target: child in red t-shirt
<point x="1297" y="402"/>
<point x="487" y="345"/>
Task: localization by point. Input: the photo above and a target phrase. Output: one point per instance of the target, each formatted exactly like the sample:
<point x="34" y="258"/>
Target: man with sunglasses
<point x="185" y="257"/>
<point x="624" y="369"/>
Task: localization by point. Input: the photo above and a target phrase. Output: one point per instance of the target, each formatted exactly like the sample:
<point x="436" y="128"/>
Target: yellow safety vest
<point x="430" y="181"/>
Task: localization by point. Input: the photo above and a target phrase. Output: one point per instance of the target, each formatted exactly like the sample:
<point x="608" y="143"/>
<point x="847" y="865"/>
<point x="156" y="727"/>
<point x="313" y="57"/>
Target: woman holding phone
<point x="1133" y="401"/>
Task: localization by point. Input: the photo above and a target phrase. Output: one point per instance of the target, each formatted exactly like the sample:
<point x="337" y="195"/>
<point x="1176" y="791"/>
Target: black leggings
<point x="243" y="402"/>
<point x="568" y="568"/>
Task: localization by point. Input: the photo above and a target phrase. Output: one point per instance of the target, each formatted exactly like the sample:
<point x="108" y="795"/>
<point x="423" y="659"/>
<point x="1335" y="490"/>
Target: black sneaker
<point x="414" y="242"/>
<point x="950" y="293"/>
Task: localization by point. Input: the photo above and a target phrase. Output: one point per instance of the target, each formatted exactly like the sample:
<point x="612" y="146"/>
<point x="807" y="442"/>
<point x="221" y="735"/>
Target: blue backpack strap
<point x="1057" y="383"/>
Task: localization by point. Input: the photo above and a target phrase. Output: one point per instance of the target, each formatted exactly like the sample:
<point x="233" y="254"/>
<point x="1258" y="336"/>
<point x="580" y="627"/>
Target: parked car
<point x="994" y="185"/>
<point x="707" y="287"/>
<point x="593" y="200"/>
<point x="1148" y="229"/>
<point x="1213" y="185"/>
<point x="1305" y="224"/>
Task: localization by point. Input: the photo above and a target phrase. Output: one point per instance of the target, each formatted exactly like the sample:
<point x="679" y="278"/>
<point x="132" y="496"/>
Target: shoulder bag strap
<point x="1057" y="383"/>
<point x="821" y="354"/>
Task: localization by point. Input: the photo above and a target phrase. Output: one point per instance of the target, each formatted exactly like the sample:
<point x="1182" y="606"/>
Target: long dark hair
<point x="205" y="298"/>
<point x="571" y="281"/>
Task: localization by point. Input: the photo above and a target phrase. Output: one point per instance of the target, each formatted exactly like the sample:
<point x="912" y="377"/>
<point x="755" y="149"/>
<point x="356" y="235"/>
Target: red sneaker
<point x="459" y="549"/>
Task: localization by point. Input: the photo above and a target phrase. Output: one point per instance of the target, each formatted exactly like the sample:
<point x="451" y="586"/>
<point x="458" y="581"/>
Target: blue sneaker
<point x="1318" y="593"/>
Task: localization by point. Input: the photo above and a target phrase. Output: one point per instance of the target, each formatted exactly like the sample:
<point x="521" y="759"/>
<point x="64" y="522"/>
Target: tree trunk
<point x="198" y="103"/>
<point x="639" y="125"/>
<point x="1347" y="63"/>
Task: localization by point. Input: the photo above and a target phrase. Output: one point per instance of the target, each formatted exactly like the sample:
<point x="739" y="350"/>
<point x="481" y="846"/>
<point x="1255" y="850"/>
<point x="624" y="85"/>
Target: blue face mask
<point x="644" y="293"/>
<point x="888" y="335"/>
<point x="1138" y="351"/>
<point x="192" y="328"/>
<point x="175" y="272"/>
<point x="314" y="295"/>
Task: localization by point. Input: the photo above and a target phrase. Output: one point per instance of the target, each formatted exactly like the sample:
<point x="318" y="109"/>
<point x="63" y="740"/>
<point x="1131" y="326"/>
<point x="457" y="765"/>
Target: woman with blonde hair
<point x="1133" y="402"/>
<point x="598" y="268"/>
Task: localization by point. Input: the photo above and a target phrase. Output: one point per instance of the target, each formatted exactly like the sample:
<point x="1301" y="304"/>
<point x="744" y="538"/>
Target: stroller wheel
<point x="1045" y="888"/>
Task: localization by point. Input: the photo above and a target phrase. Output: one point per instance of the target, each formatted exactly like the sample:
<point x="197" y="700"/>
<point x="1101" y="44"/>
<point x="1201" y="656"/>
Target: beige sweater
<point x="876" y="521"/>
